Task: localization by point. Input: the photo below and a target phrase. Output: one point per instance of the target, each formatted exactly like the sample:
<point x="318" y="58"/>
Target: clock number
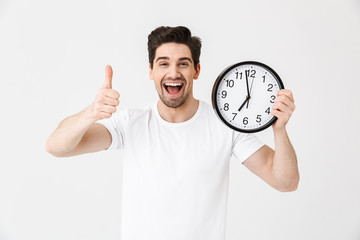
<point x="272" y="98"/>
<point x="267" y="110"/>
<point x="253" y="72"/>
<point x="270" y="87"/>
<point x="226" y="106"/>
<point x="264" y="79"/>
<point x="234" y="115"/>
<point x="258" y="118"/>
<point x="223" y="94"/>
<point x="245" y="120"/>
<point x="250" y="73"/>
<point x="238" y="74"/>
<point x="230" y="83"/>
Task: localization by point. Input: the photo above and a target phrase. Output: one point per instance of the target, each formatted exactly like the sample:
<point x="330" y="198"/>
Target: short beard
<point x="174" y="103"/>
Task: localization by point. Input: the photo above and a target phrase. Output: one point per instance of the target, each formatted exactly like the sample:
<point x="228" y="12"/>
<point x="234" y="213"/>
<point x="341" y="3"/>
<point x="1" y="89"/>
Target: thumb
<point x="108" y="77"/>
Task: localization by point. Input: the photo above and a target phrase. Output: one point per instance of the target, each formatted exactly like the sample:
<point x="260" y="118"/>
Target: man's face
<point x="173" y="73"/>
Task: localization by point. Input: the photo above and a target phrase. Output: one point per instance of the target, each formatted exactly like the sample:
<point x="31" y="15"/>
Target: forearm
<point x="284" y="167"/>
<point x="78" y="134"/>
<point x="69" y="133"/>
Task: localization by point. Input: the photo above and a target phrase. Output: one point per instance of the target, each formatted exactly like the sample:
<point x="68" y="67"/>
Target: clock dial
<point x="243" y="96"/>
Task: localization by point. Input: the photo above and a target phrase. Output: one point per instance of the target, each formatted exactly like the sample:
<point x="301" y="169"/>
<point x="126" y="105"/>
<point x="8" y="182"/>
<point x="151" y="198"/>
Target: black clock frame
<point x="216" y="86"/>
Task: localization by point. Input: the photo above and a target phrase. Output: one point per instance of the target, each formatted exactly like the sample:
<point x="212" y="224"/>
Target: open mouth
<point x="173" y="88"/>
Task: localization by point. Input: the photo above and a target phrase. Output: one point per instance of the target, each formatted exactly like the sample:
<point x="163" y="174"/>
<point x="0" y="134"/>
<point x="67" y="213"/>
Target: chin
<point x="173" y="103"/>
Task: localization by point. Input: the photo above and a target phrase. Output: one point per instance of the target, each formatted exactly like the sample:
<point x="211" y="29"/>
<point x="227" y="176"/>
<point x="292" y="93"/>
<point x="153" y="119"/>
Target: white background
<point x="52" y="60"/>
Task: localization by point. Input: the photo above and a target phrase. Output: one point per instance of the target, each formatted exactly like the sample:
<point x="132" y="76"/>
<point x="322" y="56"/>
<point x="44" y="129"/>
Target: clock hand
<point x="247" y="82"/>
<point x="247" y="105"/>
<point x="243" y="104"/>
<point x="252" y="84"/>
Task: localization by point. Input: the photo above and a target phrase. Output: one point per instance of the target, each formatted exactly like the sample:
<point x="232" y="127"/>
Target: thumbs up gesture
<point x="107" y="98"/>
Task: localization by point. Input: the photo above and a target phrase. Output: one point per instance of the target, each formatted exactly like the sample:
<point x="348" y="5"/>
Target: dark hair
<point x="178" y="34"/>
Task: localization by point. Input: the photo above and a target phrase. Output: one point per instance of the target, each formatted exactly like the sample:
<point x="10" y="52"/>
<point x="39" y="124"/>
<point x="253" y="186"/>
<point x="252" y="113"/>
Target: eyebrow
<point x="185" y="58"/>
<point x="162" y="58"/>
<point x="167" y="58"/>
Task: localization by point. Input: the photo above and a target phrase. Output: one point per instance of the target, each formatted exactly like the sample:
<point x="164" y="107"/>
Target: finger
<point x="277" y="113"/>
<point x="112" y="94"/>
<point x="108" y="77"/>
<point x="284" y="99"/>
<point x="111" y="101"/>
<point x="284" y="108"/>
<point x="280" y="107"/>
<point x="103" y="115"/>
<point x="107" y="109"/>
<point x="287" y="93"/>
<point x="282" y="118"/>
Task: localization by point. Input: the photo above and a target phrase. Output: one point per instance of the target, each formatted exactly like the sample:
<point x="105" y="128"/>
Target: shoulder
<point x="125" y="116"/>
<point x="132" y="114"/>
<point x="207" y="109"/>
<point x="208" y="115"/>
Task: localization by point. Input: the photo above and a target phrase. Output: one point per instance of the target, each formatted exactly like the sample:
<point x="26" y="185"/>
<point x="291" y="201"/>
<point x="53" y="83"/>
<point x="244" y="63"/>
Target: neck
<point x="179" y="114"/>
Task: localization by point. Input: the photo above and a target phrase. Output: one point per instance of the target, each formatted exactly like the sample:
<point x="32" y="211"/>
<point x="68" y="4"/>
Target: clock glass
<point x="243" y="95"/>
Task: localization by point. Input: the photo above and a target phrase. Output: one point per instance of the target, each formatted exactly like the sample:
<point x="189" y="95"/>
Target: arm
<point x="79" y="133"/>
<point x="278" y="168"/>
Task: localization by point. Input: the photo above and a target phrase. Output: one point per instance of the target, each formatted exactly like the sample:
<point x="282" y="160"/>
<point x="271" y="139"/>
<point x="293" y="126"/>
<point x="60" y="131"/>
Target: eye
<point x="184" y="64"/>
<point x="163" y="64"/>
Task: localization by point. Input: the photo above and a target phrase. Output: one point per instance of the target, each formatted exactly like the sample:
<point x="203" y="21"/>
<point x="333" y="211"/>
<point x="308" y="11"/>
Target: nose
<point x="174" y="72"/>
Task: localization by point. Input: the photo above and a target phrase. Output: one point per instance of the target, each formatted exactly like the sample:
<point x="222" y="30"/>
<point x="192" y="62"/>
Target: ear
<point x="151" y="72"/>
<point x="197" y="71"/>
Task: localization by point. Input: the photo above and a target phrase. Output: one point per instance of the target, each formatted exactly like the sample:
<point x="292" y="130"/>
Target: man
<point x="176" y="151"/>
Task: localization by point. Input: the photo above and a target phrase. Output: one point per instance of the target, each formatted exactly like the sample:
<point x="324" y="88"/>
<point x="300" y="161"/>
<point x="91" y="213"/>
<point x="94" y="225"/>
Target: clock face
<point x="243" y="96"/>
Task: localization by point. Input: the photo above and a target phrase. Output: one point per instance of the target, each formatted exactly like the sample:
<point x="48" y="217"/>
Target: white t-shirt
<point x="175" y="175"/>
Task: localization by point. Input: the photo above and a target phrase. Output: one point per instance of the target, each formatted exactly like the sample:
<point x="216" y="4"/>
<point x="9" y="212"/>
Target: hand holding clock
<point x="271" y="105"/>
<point x="283" y="108"/>
<point x="233" y="87"/>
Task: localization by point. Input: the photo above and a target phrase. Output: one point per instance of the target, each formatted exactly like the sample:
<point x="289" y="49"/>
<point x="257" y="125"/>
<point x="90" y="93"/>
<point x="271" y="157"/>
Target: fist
<point x="283" y="108"/>
<point x="107" y="98"/>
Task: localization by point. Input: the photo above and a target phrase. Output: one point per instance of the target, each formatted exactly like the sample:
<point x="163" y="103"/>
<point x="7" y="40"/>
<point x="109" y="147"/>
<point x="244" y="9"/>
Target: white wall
<point x="52" y="59"/>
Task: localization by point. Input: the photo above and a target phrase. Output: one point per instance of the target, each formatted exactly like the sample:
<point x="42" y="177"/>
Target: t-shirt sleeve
<point x="116" y="125"/>
<point x="244" y="145"/>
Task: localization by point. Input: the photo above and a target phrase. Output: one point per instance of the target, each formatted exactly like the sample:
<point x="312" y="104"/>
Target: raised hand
<point x="283" y="108"/>
<point x="107" y="98"/>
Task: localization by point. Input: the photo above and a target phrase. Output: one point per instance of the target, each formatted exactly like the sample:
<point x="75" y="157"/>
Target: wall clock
<point x="243" y="95"/>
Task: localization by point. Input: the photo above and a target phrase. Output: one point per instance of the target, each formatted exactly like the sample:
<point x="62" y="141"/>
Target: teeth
<point x="173" y="84"/>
